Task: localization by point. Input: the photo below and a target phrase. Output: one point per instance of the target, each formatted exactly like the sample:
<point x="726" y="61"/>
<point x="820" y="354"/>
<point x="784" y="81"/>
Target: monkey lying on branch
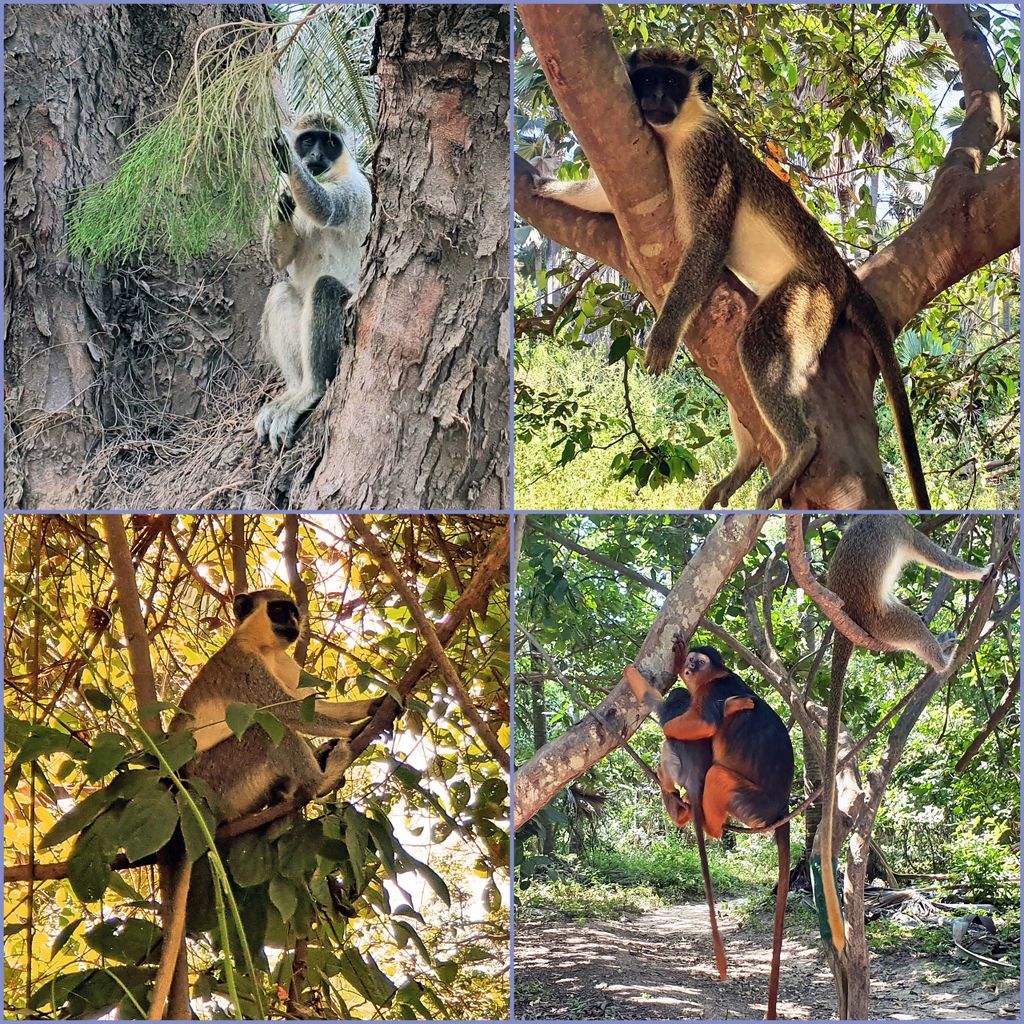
<point x="737" y="214"/>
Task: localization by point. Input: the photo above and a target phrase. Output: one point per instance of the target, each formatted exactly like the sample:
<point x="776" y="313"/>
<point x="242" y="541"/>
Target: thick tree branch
<point x="594" y="234"/>
<point x="971" y="218"/>
<point x="579" y="59"/>
<point x="830" y="604"/>
<point x="563" y="759"/>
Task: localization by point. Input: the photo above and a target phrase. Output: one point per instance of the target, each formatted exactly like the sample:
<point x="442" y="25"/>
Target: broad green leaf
<point x="108" y="751"/>
<point x="148" y="822"/>
<point x="131" y="941"/>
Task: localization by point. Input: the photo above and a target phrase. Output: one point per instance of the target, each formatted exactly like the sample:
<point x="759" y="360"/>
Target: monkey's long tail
<point x="781" y="895"/>
<point x="830" y="923"/>
<point x="174" y="936"/>
<point x="697" y="812"/>
<point x="864" y="314"/>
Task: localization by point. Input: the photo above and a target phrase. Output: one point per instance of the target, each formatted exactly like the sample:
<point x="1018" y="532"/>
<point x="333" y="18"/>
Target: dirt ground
<point x="659" y="966"/>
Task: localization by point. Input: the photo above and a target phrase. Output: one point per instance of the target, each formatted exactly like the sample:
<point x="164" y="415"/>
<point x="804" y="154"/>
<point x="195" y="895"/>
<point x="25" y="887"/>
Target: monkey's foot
<point x="278" y="422"/>
<point x="718" y="495"/>
<point x="947" y="641"/>
<point x="789" y="472"/>
<point x="660" y="350"/>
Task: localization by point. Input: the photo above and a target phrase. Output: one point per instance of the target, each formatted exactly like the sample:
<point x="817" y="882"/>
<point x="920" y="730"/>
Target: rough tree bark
<point x="76" y="79"/>
<point x="137" y="387"/>
<point x="419" y="415"/>
<point x="970" y="218"/>
<point x="568" y="756"/>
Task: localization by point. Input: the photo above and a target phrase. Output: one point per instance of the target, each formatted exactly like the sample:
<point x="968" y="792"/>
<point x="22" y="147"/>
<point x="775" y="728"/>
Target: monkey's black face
<point x="284" y="617"/>
<point x="702" y="663"/>
<point x="662" y="89"/>
<point x="318" y="150"/>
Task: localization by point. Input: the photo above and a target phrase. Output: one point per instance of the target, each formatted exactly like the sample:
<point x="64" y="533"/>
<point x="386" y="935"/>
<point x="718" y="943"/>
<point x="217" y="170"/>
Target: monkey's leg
<point x="282" y="314"/>
<point x="929" y="553"/>
<point x="323" y="324"/>
<point x="904" y="628"/>
<point x="748" y="458"/>
<point x="780" y="345"/>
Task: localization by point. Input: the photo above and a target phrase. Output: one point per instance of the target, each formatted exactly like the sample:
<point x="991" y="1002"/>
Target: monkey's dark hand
<point x="281" y="150"/>
<point x="661" y="347"/>
<point x="285" y="207"/>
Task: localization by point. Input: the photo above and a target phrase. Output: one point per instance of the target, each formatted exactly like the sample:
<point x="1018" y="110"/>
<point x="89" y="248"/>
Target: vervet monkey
<point x="737" y="214"/>
<point x="322" y="219"/>
<point x="254" y="667"/>
<point x="864" y="569"/>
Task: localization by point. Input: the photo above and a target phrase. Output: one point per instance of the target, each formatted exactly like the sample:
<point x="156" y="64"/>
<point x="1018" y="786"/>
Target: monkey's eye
<point x="281" y="612"/>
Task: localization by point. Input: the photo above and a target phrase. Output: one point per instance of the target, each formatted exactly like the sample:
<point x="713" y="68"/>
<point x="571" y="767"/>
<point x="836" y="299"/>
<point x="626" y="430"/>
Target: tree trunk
<point x="419" y="415"/>
<point x="137" y="387"/>
<point x="96" y="363"/>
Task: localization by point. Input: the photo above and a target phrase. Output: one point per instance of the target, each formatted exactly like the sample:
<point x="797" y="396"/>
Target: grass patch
<point x="629" y="878"/>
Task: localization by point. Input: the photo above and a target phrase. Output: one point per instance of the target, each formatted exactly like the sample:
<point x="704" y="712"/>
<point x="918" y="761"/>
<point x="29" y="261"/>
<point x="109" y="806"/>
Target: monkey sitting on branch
<point x="732" y="754"/>
<point x="737" y="214"/>
<point x="322" y="219"/>
<point x="863" y="571"/>
<point x="245" y="774"/>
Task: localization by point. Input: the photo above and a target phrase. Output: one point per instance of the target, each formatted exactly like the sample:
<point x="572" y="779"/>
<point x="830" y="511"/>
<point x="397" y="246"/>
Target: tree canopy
<point x="387" y="899"/>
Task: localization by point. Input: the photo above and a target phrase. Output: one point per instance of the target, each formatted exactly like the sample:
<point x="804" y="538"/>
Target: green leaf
<point x="63" y="936"/>
<point x="356" y="837"/>
<point x="97" y="698"/>
<point x="195" y="841"/>
<point x="283" y="896"/>
<point x="619" y="347"/>
<point x="131" y="941"/>
<point x="239" y="717"/>
<point x="148" y="822"/>
<point x="271" y="725"/>
<point x="250" y="860"/>
<point x="108" y="751"/>
<point x="124" y="786"/>
<point x="89" y="863"/>
<point x="433" y="879"/>
<point x="366" y="977"/>
<point x="177" y="749"/>
<point x="404" y="932"/>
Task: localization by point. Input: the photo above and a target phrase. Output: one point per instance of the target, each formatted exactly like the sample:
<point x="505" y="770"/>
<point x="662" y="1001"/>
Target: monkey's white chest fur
<point x="334" y="251"/>
<point x="757" y="255"/>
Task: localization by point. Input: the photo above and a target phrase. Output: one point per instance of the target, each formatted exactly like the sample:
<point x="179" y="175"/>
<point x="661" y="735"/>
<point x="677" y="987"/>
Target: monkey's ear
<point x="704" y="85"/>
<point x="243" y="605"/>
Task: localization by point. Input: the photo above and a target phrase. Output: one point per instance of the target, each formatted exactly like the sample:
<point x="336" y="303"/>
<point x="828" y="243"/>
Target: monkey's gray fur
<point x="866" y="565"/>
<point x="322" y="220"/>
<point x="731" y="211"/>
<point x="253" y="667"/>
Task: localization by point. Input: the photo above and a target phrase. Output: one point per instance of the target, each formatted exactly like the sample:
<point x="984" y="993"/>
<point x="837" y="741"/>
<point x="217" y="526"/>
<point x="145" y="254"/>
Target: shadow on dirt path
<point x="659" y="966"/>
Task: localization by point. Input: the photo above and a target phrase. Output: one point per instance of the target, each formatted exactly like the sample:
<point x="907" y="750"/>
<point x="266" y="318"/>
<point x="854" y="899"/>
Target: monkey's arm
<point x="334" y="205"/>
<point x="586" y="195"/>
<point x="280" y="239"/>
<point x="713" y="202"/>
